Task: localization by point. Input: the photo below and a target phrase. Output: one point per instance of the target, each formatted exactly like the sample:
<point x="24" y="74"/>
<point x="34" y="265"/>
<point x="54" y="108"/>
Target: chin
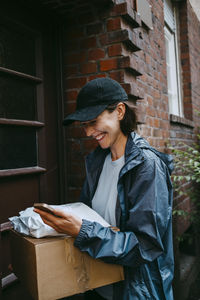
<point x="104" y="146"/>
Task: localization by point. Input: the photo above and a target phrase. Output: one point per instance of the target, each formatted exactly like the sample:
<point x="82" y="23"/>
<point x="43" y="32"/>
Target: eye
<point x="83" y="124"/>
<point x="87" y="124"/>
<point x="92" y="123"/>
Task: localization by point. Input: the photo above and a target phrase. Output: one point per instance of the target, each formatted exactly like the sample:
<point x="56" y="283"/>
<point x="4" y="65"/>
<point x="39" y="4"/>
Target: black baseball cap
<point x="94" y="98"/>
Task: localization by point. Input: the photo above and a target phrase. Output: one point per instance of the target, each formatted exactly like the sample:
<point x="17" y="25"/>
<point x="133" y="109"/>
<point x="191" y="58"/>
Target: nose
<point x="89" y="130"/>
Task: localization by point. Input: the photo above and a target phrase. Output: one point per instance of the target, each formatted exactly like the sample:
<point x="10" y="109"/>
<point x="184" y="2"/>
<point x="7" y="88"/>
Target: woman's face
<point x="105" y="129"/>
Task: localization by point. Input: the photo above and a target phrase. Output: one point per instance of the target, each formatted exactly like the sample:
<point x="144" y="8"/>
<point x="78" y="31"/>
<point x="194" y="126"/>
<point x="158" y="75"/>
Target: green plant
<point x="186" y="177"/>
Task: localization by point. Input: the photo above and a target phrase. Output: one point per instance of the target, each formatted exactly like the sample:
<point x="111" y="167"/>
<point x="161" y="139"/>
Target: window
<point x="172" y="59"/>
<point x="19" y="124"/>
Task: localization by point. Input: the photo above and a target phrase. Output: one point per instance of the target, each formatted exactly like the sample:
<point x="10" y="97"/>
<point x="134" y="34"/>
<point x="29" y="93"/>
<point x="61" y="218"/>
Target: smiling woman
<point x="128" y="184"/>
<point x="107" y="132"/>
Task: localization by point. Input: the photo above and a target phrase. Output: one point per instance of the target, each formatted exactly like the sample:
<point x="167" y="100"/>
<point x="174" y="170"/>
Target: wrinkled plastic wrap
<point x="30" y="223"/>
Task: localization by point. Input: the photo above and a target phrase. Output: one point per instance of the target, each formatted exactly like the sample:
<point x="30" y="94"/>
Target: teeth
<point x="99" y="137"/>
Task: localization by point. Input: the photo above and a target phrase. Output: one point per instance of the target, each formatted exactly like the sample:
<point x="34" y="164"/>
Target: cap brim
<point x="85" y="114"/>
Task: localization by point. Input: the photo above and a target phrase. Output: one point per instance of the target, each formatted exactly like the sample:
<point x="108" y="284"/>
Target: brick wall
<point x="184" y="129"/>
<point x="111" y="40"/>
<point x="194" y="52"/>
<point x="99" y="41"/>
<point x="106" y="38"/>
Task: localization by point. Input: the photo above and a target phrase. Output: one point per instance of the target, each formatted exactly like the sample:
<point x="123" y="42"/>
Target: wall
<point x="99" y="41"/>
<point x="185" y="129"/>
<point x="111" y="40"/>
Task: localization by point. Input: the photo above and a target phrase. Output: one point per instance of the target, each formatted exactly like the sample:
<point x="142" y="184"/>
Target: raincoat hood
<point x="136" y="140"/>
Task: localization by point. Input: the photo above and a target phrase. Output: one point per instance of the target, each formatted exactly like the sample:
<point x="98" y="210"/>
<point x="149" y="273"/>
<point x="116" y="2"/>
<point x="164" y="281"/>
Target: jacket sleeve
<point x="148" y="217"/>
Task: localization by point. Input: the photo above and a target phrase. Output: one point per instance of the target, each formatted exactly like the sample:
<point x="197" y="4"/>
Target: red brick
<point x="109" y="64"/>
<point x="147" y="58"/>
<point x="156" y="94"/>
<point x="90" y="67"/>
<point x="125" y="9"/>
<point x="150" y="100"/>
<point x="157" y="132"/>
<point x="156" y="123"/>
<point x="185" y="55"/>
<point x="96" y="54"/>
<point x="115" y="38"/>
<point x="71" y="95"/>
<point x="164" y="124"/>
<point x="114" y="24"/>
<point x="97" y="76"/>
<point x="149" y="121"/>
<point x="130" y="38"/>
<point x="120" y="9"/>
<point x="151" y="112"/>
<point x="69" y="107"/>
<point x="186" y="91"/>
<point x="115" y="50"/>
<point x="117" y="75"/>
<point x="72" y="83"/>
<point x="132" y="64"/>
<point x="165" y="115"/>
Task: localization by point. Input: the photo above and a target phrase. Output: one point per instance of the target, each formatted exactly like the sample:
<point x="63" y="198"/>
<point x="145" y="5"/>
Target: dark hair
<point x="128" y="123"/>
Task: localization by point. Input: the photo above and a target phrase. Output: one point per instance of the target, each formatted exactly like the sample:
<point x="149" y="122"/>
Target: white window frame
<point x="173" y="60"/>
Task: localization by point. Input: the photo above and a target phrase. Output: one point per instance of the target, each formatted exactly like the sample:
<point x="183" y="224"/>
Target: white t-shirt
<point x="105" y="197"/>
<point x="104" y="202"/>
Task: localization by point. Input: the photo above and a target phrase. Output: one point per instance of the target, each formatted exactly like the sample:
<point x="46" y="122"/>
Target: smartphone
<point x="45" y="207"/>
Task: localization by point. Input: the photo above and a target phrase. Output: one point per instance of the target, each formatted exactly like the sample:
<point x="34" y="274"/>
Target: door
<point x="30" y="117"/>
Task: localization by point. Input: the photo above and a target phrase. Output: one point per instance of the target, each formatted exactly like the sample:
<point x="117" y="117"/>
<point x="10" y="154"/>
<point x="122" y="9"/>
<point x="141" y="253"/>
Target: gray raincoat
<point x="144" y="215"/>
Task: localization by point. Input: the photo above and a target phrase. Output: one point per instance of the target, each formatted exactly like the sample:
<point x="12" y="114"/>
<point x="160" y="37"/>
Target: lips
<point x="100" y="137"/>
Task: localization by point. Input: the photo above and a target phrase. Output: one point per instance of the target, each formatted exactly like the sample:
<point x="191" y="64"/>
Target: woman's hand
<point x="62" y="222"/>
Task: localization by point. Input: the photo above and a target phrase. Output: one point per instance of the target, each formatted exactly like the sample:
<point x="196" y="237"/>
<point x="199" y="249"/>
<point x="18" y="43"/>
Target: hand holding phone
<point x="44" y="207"/>
<point x="67" y="224"/>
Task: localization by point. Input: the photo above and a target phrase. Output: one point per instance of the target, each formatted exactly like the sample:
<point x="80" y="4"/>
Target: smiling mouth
<point x="100" y="137"/>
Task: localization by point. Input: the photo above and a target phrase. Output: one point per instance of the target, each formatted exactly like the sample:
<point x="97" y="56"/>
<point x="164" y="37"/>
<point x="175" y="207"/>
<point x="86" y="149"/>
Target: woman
<point x="128" y="183"/>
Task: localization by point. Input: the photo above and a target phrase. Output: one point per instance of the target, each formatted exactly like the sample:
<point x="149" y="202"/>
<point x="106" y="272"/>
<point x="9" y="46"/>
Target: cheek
<point x="114" y="126"/>
<point x="110" y="125"/>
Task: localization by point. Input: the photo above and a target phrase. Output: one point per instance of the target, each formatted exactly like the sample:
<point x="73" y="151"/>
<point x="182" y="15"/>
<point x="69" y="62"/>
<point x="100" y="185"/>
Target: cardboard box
<point x="52" y="268"/>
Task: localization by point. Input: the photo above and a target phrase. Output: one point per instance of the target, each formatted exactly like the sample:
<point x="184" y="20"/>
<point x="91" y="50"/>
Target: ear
<point x="121" y="109"/>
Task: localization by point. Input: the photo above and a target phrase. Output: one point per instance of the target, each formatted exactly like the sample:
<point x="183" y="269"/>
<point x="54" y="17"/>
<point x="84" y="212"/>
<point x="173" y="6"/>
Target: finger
<point x="61" y="213"/>
<point x="44" y="214"/>
<point x="114" y="228"/>
<point x="69" y="217"/>
<point x="49" y="223"/>
<point x="51" y="220"/>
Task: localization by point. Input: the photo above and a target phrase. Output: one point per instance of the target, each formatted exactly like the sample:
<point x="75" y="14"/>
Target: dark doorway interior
<point x="30" y="120"/>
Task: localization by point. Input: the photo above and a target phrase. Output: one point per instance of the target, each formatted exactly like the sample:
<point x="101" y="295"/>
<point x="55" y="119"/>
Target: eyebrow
<point x="88" y="122"/>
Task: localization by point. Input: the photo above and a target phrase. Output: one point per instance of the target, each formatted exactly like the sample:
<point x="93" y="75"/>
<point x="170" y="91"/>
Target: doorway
<point x="30" y="119"/>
